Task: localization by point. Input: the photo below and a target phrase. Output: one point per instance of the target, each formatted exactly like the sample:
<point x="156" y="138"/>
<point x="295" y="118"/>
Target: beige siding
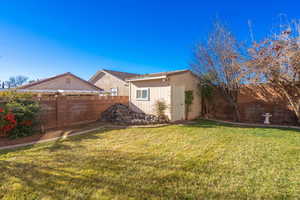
<point x="67" y="82"/>
<point x="108" y="81"/>
<point x="189" y="82"/>
<point x="166" y="90"/>
<point x="159" y="90"/>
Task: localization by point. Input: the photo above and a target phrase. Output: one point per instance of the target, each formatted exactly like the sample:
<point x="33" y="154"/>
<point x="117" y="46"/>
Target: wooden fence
<point x="64" y="111"/>
<point x="253" y="103"/>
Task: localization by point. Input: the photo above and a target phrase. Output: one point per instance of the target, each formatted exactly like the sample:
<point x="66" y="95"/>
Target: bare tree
<point x="218" y="61"/>
<point x="276" y="60"/>
<point x="16" y="81"/>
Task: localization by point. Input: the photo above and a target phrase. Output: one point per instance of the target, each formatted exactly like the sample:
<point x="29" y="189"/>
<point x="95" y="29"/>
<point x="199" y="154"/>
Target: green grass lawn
<point x="201" y="161"/>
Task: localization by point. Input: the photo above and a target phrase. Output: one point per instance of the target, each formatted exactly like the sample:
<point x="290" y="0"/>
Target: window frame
<point x="147" y="98"/>
<point x="112" y="92"/>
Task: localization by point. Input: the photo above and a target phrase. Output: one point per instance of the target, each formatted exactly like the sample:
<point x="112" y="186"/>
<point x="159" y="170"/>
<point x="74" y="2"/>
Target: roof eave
<point x="147" y="78"/>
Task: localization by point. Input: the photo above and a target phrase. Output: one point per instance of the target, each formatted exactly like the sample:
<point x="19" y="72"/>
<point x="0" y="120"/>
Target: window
<point x="114" y="91"/>
<point x="142" y="94"/>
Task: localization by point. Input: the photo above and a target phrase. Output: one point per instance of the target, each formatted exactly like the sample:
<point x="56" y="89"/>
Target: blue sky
<point x="42" y="38"/>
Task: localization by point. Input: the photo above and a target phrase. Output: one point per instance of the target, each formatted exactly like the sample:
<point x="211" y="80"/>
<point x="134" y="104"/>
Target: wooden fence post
<point x="61" y="111"/>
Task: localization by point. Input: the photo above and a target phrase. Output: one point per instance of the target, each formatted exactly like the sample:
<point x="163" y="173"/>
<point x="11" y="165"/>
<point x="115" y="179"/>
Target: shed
<point x="146" y="90"/>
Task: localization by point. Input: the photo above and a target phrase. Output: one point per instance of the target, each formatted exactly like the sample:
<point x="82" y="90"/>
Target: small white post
<point x="267" y="118"/>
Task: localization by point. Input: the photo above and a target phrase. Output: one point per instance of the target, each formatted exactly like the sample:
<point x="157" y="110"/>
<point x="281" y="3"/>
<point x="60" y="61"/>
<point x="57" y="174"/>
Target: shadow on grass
<point x="59" y="183"/>
<point x="58" y="144"/>
<point x="116" y="174"/>
<point x="93" y="135"/>
<point x="72" y="170"/>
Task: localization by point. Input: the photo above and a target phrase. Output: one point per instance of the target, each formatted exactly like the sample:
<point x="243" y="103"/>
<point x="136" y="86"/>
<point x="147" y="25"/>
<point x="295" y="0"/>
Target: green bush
<point x="188" y="100"/>
<point x="161" y="107"/>
<point x="24" y="110"/>
<point x="206" y="92"/>
<point x="12" y="95"/>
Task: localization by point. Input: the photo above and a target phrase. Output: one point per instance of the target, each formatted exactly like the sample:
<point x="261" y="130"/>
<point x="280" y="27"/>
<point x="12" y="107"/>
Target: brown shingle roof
<point x="121" y="75"/>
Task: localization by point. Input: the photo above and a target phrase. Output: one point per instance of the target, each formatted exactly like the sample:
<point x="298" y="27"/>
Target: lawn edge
<point x="253" y="124"/>
<point x="14" y="146"/>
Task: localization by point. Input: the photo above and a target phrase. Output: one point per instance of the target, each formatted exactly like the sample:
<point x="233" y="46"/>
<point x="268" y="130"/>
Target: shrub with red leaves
<point x="7" y="122"/>
<point x="18" y="114"/>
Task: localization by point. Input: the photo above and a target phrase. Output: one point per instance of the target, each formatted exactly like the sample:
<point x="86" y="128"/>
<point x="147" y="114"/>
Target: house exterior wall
<point x="108" y="81"/>
<point x="189" y="82"/>
<point x="67" y="82"/>
<point x="164" y="90"/>
<point x="159" y="90"/>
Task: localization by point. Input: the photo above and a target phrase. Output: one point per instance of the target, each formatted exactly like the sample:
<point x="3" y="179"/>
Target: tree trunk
<point x="237" y="112"/>
<point x="295" y="104"/>
<point x="202" y="106"/>
<point x="233" y="103"/>
<point x="297" y="112"/>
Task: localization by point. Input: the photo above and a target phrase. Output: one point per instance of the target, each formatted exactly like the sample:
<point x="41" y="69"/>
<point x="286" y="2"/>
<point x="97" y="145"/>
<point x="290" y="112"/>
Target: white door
<point x="178" y="107"/>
